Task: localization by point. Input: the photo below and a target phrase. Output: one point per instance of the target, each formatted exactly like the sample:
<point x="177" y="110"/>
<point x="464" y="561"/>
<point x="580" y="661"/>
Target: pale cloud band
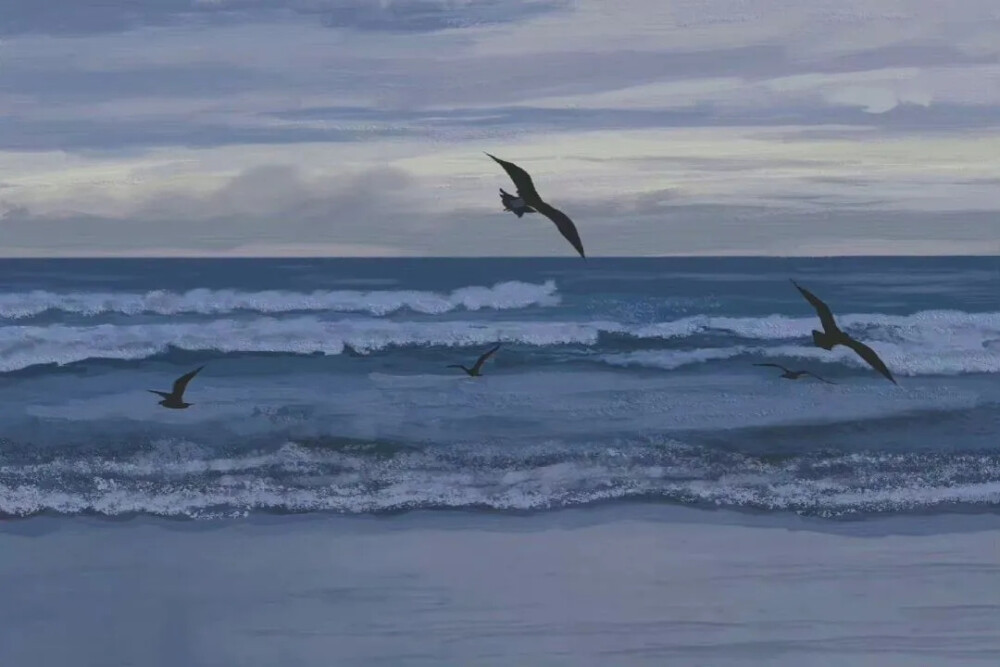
<point x="357" y="127"/>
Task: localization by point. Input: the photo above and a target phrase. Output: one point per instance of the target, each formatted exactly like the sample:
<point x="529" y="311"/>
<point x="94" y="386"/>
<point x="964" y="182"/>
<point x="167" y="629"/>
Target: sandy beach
<point x="606" y="586"/>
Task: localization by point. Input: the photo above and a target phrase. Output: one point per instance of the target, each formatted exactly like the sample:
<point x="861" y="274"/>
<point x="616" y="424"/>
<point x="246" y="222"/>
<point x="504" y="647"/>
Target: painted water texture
<point x="326" y="386"/>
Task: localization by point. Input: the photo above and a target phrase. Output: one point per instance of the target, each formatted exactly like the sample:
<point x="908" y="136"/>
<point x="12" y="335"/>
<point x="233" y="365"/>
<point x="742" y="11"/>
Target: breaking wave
<point x="502" y="296"/>
<point x="926" y="343"/>
<point x="362" y="479"/>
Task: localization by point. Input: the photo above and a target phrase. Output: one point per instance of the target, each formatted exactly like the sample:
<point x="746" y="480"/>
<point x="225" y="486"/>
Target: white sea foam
<point x="924" y="325"/>
<point x="671" y="359"/>
<point x="931" y="342"/>
<point x="902" y="359"/>
<point x="23" y="346"/>
<point x="502" y="296"/>
<point x="295" y="478"/>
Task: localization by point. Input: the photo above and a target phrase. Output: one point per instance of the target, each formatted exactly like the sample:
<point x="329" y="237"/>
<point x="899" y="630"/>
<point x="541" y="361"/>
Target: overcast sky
<point x="357" y="127"/>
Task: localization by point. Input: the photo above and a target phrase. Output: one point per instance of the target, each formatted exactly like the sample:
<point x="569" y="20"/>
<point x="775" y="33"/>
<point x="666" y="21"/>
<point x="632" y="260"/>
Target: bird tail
<point x="820" y="339"/>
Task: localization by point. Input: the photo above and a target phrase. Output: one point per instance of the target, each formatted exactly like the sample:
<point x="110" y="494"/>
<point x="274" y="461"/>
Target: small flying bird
<point x="795" y="375"/>
<point x="831" y="336"/>
<point x="529" y="198"/>
<point x="175" y="399"/>
<point x="514" y="204"/>
<point x="475" y="370"/>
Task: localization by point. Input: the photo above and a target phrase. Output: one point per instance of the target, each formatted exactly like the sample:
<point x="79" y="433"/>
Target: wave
<point x="933" y="342"/>
<point x="24" y="346"/>
<point x="294" y="478"/>
<point x="924" y="325"/>
<point x="502" y="296"/>
<point x="904" y="361"/>
<point x="668" y="360"/>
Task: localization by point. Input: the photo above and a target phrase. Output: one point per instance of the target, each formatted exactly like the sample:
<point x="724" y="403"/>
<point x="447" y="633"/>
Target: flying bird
<point x="175" y="399"/>
<point x="795" y="375"/>
<point x="831" y="336"/>
<point x="530" y="199"/>
<point x="514" y="204"/>
<point x="475" y="370"/>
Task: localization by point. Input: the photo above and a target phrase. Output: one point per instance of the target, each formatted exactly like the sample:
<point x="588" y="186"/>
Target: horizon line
<point x="481" y="257"/>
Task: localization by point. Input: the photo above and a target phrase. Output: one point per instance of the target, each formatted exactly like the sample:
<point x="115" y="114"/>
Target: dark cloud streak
<point x="344" y="124"/>
<point x="75" y="18"/>
<point x="83" y="135"/>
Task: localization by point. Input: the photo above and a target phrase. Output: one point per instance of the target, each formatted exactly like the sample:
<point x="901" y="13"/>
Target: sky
<point x="357" y="127"/>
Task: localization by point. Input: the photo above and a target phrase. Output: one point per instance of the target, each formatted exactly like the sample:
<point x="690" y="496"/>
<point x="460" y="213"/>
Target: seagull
<point x="474" y="371"/>
<point x="831" y="336"/>
<point x="795" y="375"/>
<point x="175" y="399"/>
<point x="514" y="204"/>
<point x="529" y="197"/>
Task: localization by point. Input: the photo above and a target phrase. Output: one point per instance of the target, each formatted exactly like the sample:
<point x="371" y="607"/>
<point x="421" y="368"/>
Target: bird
<point x="831" y="336"/>
<point x="175" y="399"/>
<point x="475" y="370"/>
<point x="795" y="375"/>
<point x="531" y="199"/>
<point x="514" y="204"/>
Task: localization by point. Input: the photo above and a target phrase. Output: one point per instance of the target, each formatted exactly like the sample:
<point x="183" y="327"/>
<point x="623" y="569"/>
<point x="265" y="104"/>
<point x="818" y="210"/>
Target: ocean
<point x="326" y="387"/>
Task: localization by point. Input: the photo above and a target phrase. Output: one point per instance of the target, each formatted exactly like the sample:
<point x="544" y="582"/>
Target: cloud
<point x="358" y="125"/>
<point x="423" y="15"/>
<point x="69" y="17"/>
<point x="261" y="206"/>
<point x="388" y="211"/>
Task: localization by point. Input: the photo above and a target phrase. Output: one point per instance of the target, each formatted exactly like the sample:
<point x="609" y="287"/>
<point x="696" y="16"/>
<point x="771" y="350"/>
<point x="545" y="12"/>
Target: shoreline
<point x="615" y="585"/>
<point x="568" y="518"/>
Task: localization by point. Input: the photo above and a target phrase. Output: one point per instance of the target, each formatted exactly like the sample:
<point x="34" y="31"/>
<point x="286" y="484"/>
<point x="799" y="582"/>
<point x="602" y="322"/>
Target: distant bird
<point x="175" y="399"/>
<point x="475" y="370"/>
<point x="795" y="375"/>
<point x="831" y="336"/>
<point x="529" y="198"/>
<point x="514" y="204"/>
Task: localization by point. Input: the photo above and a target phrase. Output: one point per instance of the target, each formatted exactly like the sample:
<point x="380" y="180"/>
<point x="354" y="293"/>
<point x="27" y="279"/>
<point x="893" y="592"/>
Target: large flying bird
<point x="831" y="336"/>
<point x="530" y="199"/>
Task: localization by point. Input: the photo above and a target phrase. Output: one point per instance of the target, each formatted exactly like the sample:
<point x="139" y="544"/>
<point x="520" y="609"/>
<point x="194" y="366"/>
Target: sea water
<point x="326" y="387"/>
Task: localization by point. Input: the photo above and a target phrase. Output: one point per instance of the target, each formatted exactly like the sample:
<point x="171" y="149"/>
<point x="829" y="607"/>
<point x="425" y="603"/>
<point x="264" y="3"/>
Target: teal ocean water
<point x="325" y="386"/>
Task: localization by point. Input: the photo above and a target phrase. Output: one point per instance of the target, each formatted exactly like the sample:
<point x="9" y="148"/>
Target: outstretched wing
<point x="869" y="356"/>
<point x="159" y="393"/>
<point x="823" y="310"/>
<point x="525" y="188"/>
<point x="482" y="359"/>
<point x="774" y="366"/>
<point x="811" y="374"/>
<point x="563" y="224"/>
<point x="181" y="383"/>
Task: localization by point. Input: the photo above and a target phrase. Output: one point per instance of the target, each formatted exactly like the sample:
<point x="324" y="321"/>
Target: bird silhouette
<point x="831" y="336"/>
<point x="475" y="370"/>
<point x="795" y="375"/>
<point x="529" y="195"/>
<point x="175" y="399"/>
